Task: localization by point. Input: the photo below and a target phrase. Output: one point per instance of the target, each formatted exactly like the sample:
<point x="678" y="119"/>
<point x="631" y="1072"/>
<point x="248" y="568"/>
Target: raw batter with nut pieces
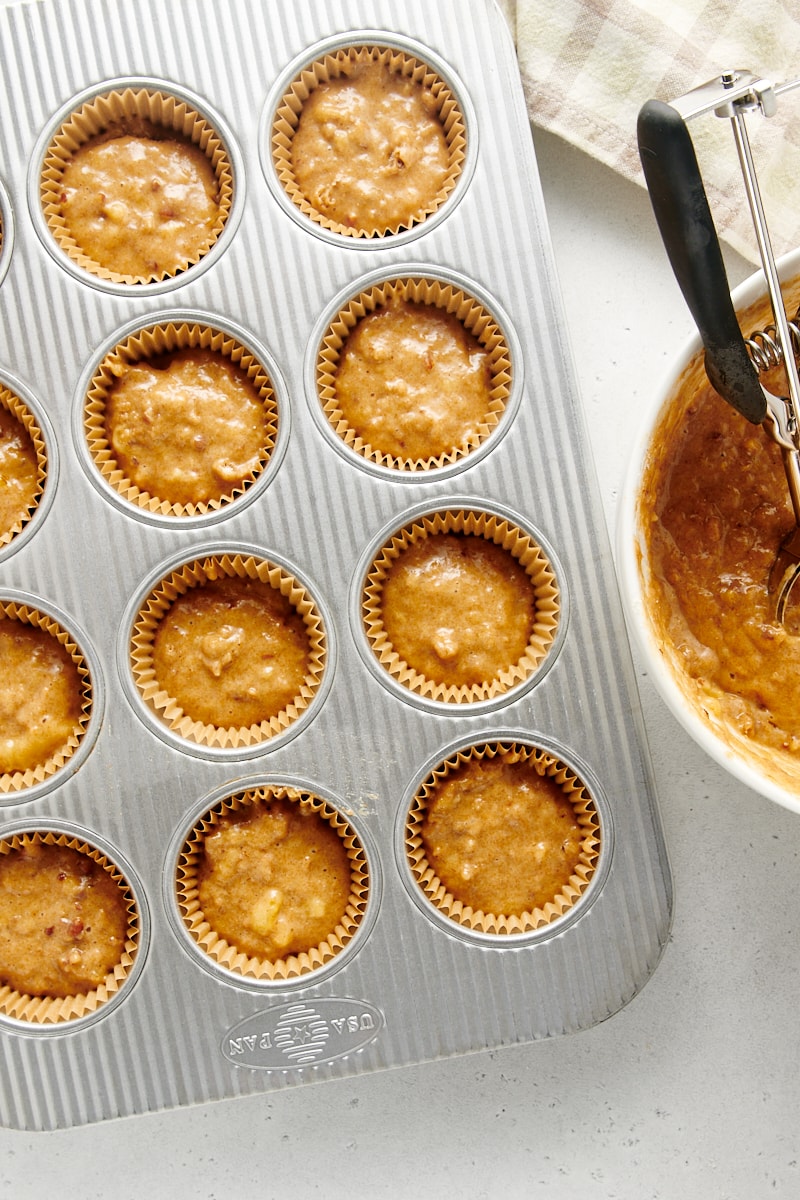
<point x="233" y="652"/>
<point x="140" y="206"/>
<point x="41" y="696"/>
<point x="413" y="383"/>
<point x="502" y="835"/>
<point x="188" y="427"/>
<point x="369" y="151"/>
<point x="19" y="471"/>
<point x="275" y="879"/>
<point x="63" y="921"/>
<point x="458" y="608"/>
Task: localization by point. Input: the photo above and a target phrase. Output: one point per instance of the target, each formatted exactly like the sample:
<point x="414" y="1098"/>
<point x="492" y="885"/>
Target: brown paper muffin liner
<point x="148" y="343"/>
<point x="17" y="781"/>
<point x="132" y="108"/>
<point x="476" y="320"/>
<point x="195" y="574"/>
<point x="342" y="62"/>
<point x="12" y="403"/>
<point x="45" y="1010"/>
<point x="221" y="951"/>
<point x="522" y="547"/>
<point x="500" y="923"/>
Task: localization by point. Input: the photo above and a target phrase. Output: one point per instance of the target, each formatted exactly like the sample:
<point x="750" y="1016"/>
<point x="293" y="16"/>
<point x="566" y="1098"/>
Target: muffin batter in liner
<point x="150" y="342"/>
<point x="521" y="547"/>
<point x="477" y="322"/>
<point x="502" y="924"/>
<point x="20" y="411"/>
<point x="44" y="1010"/>
<point x="17" y="781"/>
<point x="194" y="574"/>
<point x="221" y="951"/>
<point x="139" y="111"/>
<point x="341" y="63"/>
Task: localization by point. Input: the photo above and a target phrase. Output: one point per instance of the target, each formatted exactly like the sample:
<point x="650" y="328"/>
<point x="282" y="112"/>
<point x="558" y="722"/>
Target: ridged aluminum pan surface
<point x="413" y="989"/>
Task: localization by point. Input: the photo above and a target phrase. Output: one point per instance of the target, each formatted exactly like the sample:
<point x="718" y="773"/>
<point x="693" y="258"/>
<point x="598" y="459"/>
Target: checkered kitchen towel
<point x="589" y="65"/>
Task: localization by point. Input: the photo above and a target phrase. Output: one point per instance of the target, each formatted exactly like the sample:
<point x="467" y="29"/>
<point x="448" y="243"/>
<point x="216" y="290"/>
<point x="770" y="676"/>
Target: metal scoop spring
<point x="765" y="350"/>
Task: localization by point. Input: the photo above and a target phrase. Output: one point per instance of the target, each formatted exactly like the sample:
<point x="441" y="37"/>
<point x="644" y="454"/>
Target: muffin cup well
<point x="216" y="950"/>
<point x="337" y="61"/>
<point x="449" y="298"/>
<point x="13" y="404"/>
<point x="195" y="573"/>
<point x="43" y="1011"/>
<point x="13" y="784"/>
<point x="158" y="111"/>
<point x="522" y="547"/>
<point x="168" y="336"/>
<point x="443" y="901"/>
<point x="6" y="231"/>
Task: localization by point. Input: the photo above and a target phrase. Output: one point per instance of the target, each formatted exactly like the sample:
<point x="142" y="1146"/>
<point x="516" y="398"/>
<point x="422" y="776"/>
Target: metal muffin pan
<point x="409" y="988"/>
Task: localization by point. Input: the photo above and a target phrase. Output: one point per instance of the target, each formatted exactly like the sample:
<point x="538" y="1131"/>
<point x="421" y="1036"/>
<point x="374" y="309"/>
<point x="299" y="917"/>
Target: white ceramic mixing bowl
<point x="633" y="565"/>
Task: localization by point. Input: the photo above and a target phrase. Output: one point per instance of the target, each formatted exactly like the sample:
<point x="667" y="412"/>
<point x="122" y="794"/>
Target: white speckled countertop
<point x="692" y="1090"/>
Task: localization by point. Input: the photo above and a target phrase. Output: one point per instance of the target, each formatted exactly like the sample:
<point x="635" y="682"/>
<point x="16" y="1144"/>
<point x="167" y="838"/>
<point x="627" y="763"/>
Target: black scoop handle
<point x="690" y="238"/>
